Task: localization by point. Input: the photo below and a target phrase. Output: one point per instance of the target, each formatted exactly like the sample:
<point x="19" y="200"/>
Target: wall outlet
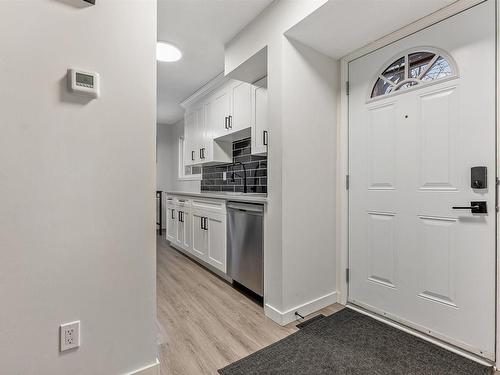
<point x="224" y="176"/>
<point x="70" y="335"/>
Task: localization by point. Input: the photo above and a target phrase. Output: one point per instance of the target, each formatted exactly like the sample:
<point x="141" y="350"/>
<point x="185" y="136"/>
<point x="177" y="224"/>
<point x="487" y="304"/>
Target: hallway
<point x="206" y="324"/>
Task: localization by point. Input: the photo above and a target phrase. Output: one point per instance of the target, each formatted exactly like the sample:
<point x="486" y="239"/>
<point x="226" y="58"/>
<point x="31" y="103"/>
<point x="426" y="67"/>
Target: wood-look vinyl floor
<point x="206" y="323"/>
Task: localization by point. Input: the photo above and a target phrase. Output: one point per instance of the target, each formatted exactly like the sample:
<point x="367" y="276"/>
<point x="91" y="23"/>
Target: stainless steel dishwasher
<point x="245" y="243"/>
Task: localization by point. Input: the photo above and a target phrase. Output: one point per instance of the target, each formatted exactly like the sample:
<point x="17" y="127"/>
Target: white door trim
<point x="343" y="139"/>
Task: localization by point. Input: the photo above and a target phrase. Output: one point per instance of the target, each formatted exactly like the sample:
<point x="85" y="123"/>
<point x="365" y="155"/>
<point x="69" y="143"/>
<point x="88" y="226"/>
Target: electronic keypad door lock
<point x="476" y="207"/>
<point x="479" y="178"/>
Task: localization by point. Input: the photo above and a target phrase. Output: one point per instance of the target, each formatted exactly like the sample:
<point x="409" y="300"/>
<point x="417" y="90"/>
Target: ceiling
<point x="329" y="31"/>
<point x="200" y="28"/>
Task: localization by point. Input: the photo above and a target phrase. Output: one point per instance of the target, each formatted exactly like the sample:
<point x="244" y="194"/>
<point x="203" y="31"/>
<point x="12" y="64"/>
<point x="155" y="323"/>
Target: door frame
<point x="343" y="156"/>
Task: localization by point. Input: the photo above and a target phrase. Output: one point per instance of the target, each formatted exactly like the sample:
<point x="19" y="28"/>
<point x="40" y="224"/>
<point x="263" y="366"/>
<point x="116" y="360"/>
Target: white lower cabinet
<point x="216" y="251"/>
<point x="199" y="227"/>
<point x="183" y="238"/>
<point x="200" y="236"/>
<point x="171" y="221"/>
<point x="209" y="238"/>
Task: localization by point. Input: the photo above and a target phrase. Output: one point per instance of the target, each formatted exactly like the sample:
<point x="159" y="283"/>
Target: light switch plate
<point x="70" y="335"/>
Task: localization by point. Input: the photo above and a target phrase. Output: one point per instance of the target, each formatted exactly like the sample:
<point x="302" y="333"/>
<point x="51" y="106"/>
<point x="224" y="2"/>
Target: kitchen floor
<point x="205" y="324"/>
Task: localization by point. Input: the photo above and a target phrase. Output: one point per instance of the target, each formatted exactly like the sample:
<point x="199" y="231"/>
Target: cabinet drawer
<point x="210" y="205"/>
<point x="183" y="202"/>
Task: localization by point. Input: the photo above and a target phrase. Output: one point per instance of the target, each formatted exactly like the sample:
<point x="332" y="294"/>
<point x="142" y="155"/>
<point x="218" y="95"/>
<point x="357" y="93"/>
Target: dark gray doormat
<point x="351" y="343"/>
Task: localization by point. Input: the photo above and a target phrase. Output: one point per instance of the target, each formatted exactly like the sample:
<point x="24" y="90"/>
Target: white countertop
<point x="248" y="197"/>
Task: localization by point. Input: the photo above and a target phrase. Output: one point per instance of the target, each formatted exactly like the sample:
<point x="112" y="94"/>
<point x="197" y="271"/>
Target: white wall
<point x="310" y="90"/>
<point x="168" y="161"/>
<point x="77" y="182"/>
<point x="297" y="270"/>
<point x="277" y="18"/>
<point x="166" y="157"/>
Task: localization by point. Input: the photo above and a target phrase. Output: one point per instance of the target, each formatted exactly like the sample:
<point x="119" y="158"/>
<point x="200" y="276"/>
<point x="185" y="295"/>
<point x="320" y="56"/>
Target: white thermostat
<point x="84" y="83"/>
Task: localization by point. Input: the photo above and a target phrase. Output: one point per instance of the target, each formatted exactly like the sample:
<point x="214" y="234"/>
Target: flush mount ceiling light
<point x="167" y="52"/>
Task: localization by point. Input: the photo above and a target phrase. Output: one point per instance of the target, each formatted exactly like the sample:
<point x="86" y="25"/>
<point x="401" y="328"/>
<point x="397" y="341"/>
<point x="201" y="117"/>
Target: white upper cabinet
<point x="190" y="124"/>
<point x="233" y="111"/>
<point x="215" y="152"/>
<point x="260" y="136"/>
<point x="194" y="135"/>
<point x="241" y="114"/>
<point x="220" y="112"/>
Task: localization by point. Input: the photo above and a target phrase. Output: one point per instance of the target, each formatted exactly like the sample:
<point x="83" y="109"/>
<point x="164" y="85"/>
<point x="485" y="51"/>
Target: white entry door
<point x="421" y="115"/>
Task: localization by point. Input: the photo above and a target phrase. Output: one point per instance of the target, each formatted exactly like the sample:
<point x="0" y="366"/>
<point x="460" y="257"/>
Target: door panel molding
<point x="438" y="113"/>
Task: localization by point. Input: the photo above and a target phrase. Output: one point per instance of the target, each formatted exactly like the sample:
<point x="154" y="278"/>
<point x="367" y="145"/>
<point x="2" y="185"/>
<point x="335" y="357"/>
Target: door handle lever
<point x="478" y="207"/>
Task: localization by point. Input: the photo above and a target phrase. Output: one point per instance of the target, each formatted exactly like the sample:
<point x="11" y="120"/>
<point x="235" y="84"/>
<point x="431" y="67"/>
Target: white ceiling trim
<point x="413" y="28"/>
<point x="205" y="89"/>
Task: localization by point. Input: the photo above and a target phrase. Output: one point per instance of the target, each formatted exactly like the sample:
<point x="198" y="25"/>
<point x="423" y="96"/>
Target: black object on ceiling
<point x="90" y="1"/>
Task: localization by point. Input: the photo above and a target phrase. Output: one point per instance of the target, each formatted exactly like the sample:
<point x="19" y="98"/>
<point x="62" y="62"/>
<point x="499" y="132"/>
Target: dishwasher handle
<point x="259" y="208"/>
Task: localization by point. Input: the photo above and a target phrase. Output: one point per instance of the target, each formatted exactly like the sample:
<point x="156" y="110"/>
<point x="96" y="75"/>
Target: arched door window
<point x="413" y="68"/>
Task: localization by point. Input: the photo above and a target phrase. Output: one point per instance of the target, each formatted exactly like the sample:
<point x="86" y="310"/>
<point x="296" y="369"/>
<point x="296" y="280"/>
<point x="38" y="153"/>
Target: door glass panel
<point x="396" y="71"/>
<point x="423" y="67"/>
<point x="381" y="87"/>
<point x="440" y="69"/>
<point x="419" y="62"/>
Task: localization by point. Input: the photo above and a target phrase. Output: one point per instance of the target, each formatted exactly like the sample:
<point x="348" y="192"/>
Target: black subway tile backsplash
<point x="241" y="152"/>
<point x="255" y="165"/>
<point x="242" y="159"/>
<point x="245" y="143"/>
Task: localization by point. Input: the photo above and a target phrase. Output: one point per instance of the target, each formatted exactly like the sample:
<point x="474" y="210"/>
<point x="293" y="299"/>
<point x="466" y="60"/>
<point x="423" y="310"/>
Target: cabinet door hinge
<point x="347" y="87"/>
<point x="347" y="275"/>
<point x="347" y="182"/>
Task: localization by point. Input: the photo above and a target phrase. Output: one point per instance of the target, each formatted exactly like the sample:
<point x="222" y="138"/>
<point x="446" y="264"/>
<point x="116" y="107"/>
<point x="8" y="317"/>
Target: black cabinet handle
<point x="264" y="137"/>
<point x="192" y="155"/>
<point x="173" y="214"/>
<point x="230" y="120"/>
<point x="203" y="223"/>
<point x="201" y="153"/>
<point x="225" y="123"/>
<point x="206" y="223"/>
<point x="179" y="216"/>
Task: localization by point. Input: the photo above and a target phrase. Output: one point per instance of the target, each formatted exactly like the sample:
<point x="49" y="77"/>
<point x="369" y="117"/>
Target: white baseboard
<point x="283" y="318"/>
<point x="152" y="369"/>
